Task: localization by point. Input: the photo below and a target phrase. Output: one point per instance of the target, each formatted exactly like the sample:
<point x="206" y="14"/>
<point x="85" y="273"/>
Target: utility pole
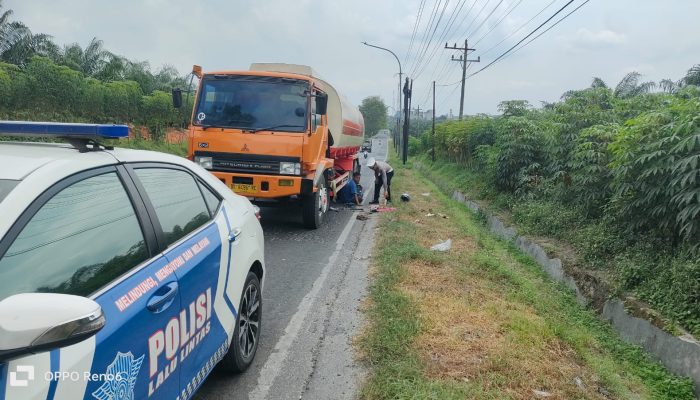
<point x="462" y="59"/>
<point x="418" y="112"/>
<point x="407" y="110"/>
<point x="433" y="141"/>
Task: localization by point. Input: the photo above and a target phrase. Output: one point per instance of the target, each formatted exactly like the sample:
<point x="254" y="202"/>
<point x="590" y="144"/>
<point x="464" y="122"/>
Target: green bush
<point x="614" y="172"/>
<point x="520" y="158"/>
<point x="547" y="218"/>
<point x="656" y="169"/>
<point x="645" y="272"/>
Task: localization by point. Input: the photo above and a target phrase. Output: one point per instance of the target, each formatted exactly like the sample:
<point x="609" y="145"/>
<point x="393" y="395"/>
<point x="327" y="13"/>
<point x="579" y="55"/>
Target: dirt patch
<point x="596" y="285"/>
<point x="473" y="335"/>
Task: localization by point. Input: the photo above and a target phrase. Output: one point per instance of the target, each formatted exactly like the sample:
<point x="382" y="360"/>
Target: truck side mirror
<point x="321" y="103"/>
<point x="177" y="98"/>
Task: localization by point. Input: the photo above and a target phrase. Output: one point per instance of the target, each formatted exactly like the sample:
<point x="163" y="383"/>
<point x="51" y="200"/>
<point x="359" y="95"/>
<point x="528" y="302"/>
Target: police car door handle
<point x="234" y="234"/>
<point x="162" y="298"/>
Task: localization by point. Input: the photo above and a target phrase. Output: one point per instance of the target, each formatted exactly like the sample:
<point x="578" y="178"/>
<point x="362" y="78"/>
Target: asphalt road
<point x="315" y="280"/>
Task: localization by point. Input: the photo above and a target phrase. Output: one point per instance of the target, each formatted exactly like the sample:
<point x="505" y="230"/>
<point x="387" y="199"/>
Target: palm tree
<point x="18" y="44"/>
<point x="693" y="76"/>
<point x="669" y="86"/>
<point x="598" y="83"/>
<point x="114" y="69"/>
<point x="630" y="86"/>
<point x="4" y="26"/>
<point x="91" y="61"/>
<point x="94" y="57"/>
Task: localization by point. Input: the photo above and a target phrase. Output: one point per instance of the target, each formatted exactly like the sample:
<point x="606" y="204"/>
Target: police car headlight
<point x="204" y="162"/>
<point x="289" y="168"/>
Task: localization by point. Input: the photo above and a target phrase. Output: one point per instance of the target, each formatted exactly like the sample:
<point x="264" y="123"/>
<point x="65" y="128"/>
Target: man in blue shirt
<point x="350" y="194"/>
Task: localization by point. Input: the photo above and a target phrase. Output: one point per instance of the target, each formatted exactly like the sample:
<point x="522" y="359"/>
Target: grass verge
<point x="644" y="268"/>
<point x="482" y="321"/>
<point x="178" y="149"/>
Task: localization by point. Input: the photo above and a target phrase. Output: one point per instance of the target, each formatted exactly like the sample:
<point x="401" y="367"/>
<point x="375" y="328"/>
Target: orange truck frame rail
<point x="276" y="133"/>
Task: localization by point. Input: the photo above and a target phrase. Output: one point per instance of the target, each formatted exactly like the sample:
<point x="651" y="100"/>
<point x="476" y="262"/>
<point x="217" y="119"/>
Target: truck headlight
<point x="290" y="168"/>
<point x="204" y="162"/>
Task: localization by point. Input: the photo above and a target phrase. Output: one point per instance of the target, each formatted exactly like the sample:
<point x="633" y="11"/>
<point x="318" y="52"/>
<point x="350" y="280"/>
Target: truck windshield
<point x="252" y="103"/>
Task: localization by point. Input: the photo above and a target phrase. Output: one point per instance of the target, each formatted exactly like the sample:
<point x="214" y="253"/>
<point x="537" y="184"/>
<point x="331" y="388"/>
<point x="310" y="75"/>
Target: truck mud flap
<point x="307" y="186"/>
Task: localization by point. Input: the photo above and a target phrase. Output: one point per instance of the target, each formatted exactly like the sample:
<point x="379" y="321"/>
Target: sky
<point x="604" y="38"/>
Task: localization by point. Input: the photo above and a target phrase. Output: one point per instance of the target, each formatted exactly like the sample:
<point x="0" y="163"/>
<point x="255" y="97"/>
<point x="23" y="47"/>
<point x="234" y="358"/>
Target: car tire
<point x="314" y="206"/>
<point x="248" y="322"/>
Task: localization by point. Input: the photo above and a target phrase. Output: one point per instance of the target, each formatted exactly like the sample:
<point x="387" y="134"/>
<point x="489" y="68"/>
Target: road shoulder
<point x="315" y="358"/>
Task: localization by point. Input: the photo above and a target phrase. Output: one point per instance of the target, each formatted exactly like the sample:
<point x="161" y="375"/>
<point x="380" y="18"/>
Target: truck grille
<point x="246" y="163"/>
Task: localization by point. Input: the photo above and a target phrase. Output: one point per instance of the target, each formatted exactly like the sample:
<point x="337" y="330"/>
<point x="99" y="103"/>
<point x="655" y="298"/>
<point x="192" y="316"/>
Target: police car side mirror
<point x="35" y="322"/>
<point x="177" y="98"/>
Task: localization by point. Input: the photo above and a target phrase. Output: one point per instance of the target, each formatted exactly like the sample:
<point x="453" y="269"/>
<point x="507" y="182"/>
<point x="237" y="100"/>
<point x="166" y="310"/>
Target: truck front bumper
<point x="265" y="186"/>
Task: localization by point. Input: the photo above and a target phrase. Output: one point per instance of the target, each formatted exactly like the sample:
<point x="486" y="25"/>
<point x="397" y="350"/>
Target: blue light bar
<point x="58" y="129"/>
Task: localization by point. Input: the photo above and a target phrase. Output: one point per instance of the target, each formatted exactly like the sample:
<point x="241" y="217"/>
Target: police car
<point x="124" y="274"/>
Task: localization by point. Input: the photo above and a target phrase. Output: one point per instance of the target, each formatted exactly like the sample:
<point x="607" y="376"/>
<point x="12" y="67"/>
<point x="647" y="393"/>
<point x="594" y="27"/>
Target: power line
<point x="485" y="19"/>
<point x="469" y="12"/>
<point x="425" y="34"/>
<point x="498" y="22"/>
<point x="448" y="67"/>
<point x="547" y="30"/>
<point x="446" y="71"/>
<point x="452" y="92"/>
<point x="450" y="84"/>
<point x="477" y="17"/>
<point x="518" y="30"/>
<point x="448" y="29"/>
<point x="446" y="62"/>
<point x="430" y="40"/>
<point x="415" y="30"/>
<point x="523" y="39"/>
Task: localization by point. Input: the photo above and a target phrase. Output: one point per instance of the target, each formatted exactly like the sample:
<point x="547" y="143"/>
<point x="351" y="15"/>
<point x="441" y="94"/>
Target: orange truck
<point x="277" y="134"/>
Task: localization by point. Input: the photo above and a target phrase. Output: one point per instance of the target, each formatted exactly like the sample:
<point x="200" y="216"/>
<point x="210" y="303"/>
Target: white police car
<point x="124" y="274"/>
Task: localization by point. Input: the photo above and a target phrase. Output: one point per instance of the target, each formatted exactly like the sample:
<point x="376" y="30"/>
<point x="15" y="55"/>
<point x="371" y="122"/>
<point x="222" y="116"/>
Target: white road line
<point x="273" y="365"/>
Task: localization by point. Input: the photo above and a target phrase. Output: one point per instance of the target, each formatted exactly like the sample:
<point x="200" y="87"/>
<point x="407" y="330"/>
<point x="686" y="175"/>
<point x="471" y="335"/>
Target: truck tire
<point x="315" y="205"/>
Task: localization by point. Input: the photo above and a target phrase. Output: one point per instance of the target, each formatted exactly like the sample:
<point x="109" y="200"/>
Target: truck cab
<point x="276" y="134"/>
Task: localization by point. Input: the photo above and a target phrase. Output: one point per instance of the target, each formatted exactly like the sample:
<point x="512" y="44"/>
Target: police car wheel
<point x="246" y="335"/>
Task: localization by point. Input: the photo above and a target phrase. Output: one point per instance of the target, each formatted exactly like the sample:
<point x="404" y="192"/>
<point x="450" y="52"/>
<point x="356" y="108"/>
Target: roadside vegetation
<point x="482" y="321"/>
<point x="178" y="149"/>
<point x="44" y="81"/>
<point x="613" y="173"/>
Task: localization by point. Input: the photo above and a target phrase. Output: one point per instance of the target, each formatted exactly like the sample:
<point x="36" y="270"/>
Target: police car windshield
<point x="252" y="102"/>
<point x="6" y="186"/>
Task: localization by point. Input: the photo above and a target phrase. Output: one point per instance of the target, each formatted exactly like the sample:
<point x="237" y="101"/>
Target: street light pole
<point x="399" y="87"/>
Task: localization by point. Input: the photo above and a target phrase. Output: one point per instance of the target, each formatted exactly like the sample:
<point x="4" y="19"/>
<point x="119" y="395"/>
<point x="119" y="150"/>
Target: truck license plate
<point x="244" y="188"/>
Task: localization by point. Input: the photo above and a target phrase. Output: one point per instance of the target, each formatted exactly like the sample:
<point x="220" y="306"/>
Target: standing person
<point x="382" y="178"/>
<point x="350" y="193"/>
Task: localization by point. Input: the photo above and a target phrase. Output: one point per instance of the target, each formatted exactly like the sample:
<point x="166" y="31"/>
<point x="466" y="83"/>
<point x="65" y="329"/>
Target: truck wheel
<point x="315" y="206"/>
<point x="356" y="166"/>
<point x="246" y="335"/>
